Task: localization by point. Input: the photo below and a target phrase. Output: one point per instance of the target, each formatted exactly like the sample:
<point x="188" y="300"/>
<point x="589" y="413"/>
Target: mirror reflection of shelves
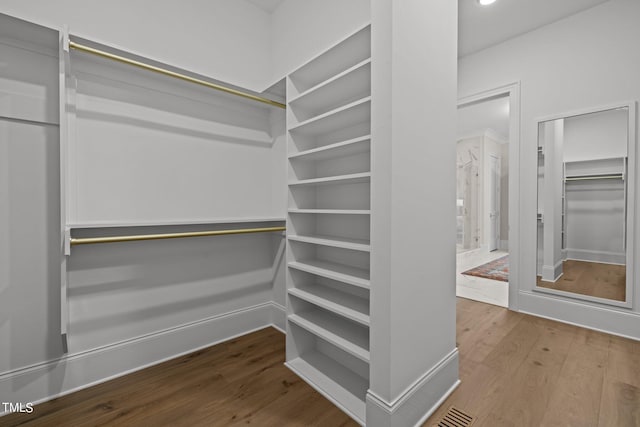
<point x="328" y="222"/>
<point x="585" y="205"/>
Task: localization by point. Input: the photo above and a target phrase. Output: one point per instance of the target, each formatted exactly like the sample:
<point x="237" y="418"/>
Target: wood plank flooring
<point x="590" y="278"/>
<point x="520" y="370"/>
<point x="239" y="382"/>
<point x="516" y="370"/>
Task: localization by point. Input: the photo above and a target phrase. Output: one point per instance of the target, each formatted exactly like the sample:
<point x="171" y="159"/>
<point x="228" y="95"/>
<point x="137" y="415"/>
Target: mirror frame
<point x="631" y="197"/>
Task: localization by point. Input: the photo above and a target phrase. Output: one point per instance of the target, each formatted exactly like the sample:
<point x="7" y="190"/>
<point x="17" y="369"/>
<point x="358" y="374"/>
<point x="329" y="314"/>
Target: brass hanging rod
<point x="114" y="239"/>
<point x="159" y="70"/>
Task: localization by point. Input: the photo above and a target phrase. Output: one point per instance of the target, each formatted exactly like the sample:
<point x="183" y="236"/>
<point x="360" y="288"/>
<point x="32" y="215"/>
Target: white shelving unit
<point x="328" y="222"/>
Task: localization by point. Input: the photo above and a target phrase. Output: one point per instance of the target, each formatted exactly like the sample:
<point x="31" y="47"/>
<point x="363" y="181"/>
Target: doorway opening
<point x="482" y="200"/>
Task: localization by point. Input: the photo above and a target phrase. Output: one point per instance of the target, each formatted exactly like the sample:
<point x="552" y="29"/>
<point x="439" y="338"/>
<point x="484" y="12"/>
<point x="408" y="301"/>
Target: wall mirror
<point x="585" y="203"/>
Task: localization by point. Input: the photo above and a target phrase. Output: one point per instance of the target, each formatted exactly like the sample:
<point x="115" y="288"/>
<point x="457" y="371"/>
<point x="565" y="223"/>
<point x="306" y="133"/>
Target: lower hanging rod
<point x="122" y="59"/>
<point x="115" y="239"/>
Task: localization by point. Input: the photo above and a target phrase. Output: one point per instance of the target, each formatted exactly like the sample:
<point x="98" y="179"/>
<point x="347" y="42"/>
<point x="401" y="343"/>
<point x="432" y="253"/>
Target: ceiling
<point x="484" y="26"/>
<point x="493" y="114"/>
<point x="267" y="5"/>
<point x="480" y="27"/>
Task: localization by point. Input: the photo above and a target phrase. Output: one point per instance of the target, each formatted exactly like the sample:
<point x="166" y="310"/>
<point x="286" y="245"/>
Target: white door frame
<point x="513" y="92"/>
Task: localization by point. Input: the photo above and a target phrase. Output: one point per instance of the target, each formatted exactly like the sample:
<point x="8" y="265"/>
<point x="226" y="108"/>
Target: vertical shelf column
<point x="328" y="222"/>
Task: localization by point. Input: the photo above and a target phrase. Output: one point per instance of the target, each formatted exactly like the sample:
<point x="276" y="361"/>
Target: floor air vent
<point x="455" y="418"/>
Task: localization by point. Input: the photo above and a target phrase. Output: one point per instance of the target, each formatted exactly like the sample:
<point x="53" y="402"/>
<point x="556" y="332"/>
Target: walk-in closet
<point x="233" y="212"/>
<point x="173" y="210"/>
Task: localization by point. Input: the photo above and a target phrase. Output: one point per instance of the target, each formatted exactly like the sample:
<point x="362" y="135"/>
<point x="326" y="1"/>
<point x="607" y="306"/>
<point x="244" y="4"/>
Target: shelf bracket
<point x="67" y="242"/>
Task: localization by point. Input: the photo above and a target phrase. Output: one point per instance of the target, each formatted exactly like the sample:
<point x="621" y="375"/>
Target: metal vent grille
<point x="455" y="418"/>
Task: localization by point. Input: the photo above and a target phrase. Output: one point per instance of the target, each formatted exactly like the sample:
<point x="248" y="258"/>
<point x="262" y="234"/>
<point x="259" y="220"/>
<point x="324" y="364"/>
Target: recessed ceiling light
<point x="486" y="2"/>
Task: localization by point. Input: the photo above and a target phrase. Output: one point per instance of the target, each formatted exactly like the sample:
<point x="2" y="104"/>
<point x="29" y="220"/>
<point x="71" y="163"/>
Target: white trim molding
<point x="591" y="315"/>
<point x="418" y="401"/>
<point x="547" y="302"/>
<point x="512" y="91"/>
<point x="603" y="257"/>
<point x="552" y="271"/>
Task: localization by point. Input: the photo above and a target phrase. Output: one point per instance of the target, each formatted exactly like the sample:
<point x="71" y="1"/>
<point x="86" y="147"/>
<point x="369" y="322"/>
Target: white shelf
<point x="343" y="55"/>
<point x="344" y="334"/>
<point x="333" y="241"/>
<point x="347" y="78"/>
<point x="331" y="211"/>
<point x="342" y="273"/>
<point x="345" y="116"/>
<point x="329" y="149"/>
<point x="340" y="149"/>
<point x="340" y="385"/>
<point x="340" y="89"/>
<point x="106" y="224"/>
<point x="341" y="303"/>
<point x="340" y="179"/>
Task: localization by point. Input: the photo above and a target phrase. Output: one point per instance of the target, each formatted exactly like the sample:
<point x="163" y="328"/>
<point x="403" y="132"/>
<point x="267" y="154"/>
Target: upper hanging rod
<point x="114" y="239"/>
<point x="592" y="177"/>
<point x="153" y="68"/>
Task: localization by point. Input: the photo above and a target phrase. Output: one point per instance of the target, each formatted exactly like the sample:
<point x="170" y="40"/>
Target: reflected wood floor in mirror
<point x="590" y="278"/>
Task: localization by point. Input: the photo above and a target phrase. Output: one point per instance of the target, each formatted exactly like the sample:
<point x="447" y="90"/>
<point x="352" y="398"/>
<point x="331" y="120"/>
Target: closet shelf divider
<point x="331" y="211"/>
<point x="343" y="334"/>
<point x="333" y="241"/>
<point x="346" y="87"/>
<point x="339" y="179"/>
<point x="341" y="303"/>
<point x="337" y="383"/>
<point x="339" y="149"/>
<point x="338" y="118"/>
<point x="330" y="80"/>
<point x="331" y="270"/>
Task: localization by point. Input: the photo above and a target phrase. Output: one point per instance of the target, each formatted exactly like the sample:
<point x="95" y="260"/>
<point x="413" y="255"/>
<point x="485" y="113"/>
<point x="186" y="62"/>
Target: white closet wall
<point x="145" y="154"/>
<point x="302" y="30"/>
<point x="152" y="149"/>
<point x="225" y="39"/>
<point x="597" y="66"/>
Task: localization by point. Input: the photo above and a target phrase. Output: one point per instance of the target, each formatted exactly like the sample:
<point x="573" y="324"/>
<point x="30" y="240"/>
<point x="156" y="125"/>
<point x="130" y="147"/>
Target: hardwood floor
<point x="516" y="370"/>
<point x="520" y="370"/>
<point x="240" y="382"/>
<point x="591" y="278"/>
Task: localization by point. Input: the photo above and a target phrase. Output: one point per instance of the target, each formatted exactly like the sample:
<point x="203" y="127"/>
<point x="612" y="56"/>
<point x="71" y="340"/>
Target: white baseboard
<point x="551" y="273"/>
<point x="418" y="402"/>
<point x="69" y="373"/>
<point x="609" y="320"/>
<point x="596" y="256"/>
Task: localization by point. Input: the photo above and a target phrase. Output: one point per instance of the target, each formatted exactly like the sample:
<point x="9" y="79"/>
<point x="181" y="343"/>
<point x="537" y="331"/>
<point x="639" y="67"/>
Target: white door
<point x="494" y="202"/>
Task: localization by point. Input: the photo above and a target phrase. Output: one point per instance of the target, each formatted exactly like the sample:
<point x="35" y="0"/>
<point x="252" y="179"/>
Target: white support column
<point x="414" y="360"/>
<point x="553" y="184"/>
